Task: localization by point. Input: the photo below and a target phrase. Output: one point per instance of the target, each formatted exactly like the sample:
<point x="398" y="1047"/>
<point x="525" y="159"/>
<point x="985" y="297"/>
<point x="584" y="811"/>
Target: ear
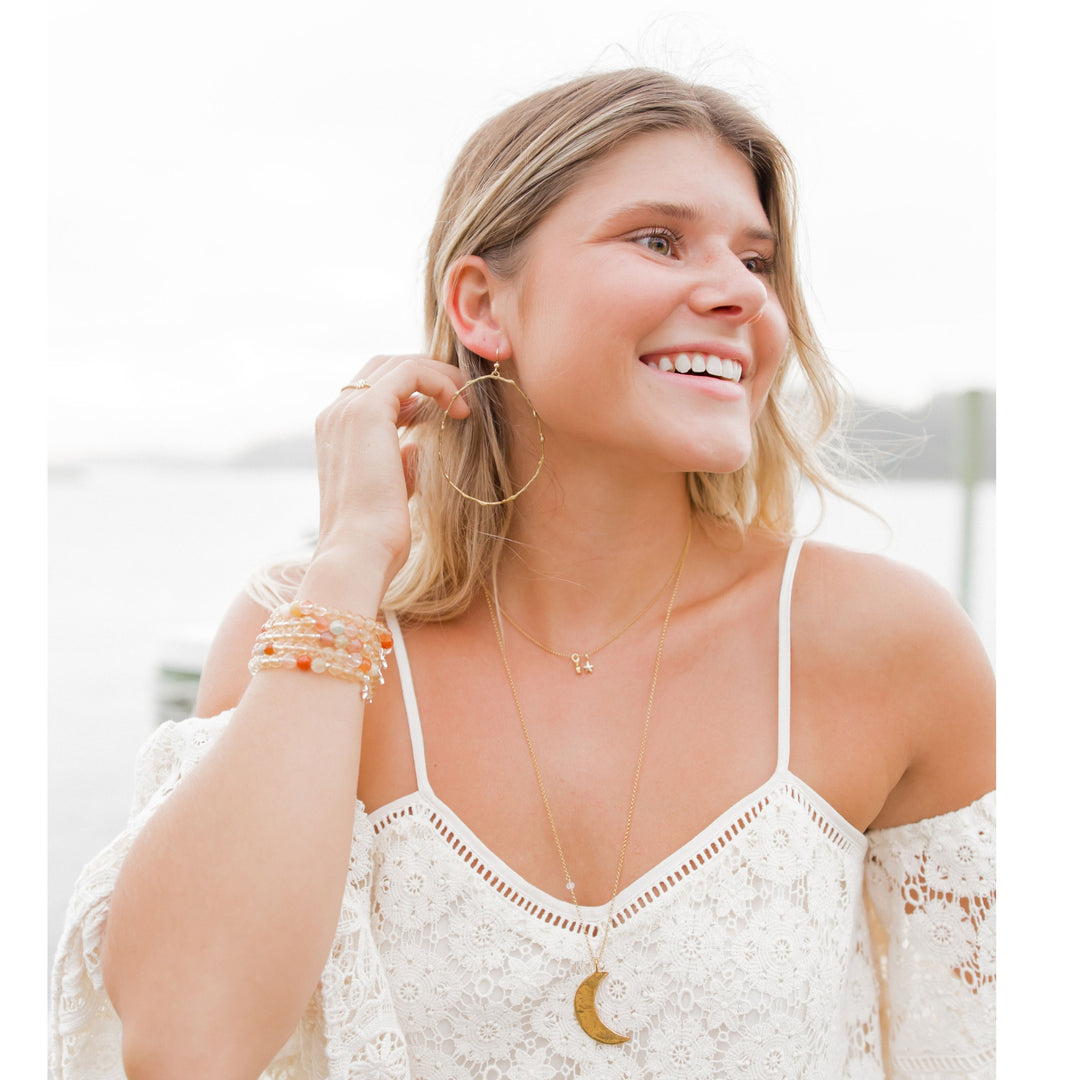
<point x="471" y="293"/>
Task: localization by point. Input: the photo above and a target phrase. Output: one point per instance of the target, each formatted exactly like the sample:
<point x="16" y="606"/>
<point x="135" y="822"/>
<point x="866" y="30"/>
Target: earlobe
<point x="470" y="306"/>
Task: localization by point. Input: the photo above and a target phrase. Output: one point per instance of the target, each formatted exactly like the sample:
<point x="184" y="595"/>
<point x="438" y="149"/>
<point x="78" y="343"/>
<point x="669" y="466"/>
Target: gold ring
<point x="360" y="384"/>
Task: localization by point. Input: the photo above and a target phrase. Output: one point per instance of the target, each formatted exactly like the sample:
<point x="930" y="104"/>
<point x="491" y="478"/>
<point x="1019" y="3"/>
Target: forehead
<point x="689" y="168"/>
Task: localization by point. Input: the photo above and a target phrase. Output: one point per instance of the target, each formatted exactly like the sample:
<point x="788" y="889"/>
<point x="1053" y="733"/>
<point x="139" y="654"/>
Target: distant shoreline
<point x="951" y="437"/>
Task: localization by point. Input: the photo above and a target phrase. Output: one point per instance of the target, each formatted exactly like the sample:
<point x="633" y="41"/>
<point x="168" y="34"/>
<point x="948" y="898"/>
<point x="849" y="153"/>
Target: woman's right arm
<point x="226" y="906"/>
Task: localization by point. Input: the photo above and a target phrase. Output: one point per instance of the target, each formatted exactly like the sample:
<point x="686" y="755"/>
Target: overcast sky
<point x="240" y="192"/>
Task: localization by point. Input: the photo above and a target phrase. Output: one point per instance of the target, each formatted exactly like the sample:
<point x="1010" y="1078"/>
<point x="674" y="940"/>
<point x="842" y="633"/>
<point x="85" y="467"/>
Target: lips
<point x="697" y="363"/>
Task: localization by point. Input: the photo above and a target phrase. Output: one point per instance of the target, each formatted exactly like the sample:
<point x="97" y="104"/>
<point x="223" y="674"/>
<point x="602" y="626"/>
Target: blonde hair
<point x="505" y="180"/>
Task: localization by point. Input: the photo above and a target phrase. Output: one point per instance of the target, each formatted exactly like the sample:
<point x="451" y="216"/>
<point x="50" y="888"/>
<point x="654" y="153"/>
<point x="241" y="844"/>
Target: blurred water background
<point x="144" y="560"/>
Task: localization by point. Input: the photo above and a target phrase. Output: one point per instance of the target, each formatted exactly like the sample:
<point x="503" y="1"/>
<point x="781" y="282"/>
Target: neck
<point x="585" y="553"/>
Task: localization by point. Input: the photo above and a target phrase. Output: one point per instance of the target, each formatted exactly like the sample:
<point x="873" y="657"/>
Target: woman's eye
<point x="660" y="243"/>
<point x="758" y="264"/>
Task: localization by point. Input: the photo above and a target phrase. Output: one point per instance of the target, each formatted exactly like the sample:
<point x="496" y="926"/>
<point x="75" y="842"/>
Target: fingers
<point x="365" y="477"/>
<point x="401" y="383"/>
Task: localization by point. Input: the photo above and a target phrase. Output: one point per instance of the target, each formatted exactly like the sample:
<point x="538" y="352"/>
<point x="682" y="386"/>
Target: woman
<point x="634" y="752"/>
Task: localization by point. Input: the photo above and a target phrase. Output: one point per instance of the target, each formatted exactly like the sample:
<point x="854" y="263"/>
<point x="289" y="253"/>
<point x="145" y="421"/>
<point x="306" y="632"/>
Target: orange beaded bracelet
<point x="304" y="636"/>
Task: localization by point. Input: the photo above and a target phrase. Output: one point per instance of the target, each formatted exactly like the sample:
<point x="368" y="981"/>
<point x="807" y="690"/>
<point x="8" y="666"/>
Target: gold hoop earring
<point x="494" y="374"/>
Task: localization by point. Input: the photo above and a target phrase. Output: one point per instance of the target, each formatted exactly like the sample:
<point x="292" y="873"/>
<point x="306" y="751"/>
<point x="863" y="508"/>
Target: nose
<point x="726" y="287"/>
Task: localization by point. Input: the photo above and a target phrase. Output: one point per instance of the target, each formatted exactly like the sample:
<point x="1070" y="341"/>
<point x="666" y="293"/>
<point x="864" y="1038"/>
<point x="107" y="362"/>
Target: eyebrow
<point x="684" y="212"/>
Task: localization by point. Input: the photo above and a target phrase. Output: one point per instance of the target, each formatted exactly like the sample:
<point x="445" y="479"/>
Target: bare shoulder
<point x="885" y="643"/>
<point x="225" y="674"/>
<point x="863" y="592"/>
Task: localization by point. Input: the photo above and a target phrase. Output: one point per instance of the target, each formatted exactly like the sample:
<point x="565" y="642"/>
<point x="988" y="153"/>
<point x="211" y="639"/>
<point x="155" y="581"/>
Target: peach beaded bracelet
<point x="308" y="637"/>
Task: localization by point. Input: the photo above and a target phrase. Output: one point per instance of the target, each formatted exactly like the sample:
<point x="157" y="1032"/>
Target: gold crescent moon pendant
<point x="585" y="1011"/>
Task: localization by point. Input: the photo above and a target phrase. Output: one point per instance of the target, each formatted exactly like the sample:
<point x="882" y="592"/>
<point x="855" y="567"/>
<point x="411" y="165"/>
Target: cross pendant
<point x="582" y="663"/>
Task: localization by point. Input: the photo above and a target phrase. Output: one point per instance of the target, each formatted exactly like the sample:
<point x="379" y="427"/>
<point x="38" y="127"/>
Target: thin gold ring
<point x="360" y="384"/>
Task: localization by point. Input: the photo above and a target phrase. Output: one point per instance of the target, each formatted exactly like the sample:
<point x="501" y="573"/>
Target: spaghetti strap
<point x="416" y="735"/>
<point x="783" y="690"/>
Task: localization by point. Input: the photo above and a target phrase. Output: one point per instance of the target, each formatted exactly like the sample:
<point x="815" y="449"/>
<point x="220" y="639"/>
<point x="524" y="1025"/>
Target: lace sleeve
<point x="932" y="886"/>
<point x="84" y="1028"/>
<point x="349" y="1028"/>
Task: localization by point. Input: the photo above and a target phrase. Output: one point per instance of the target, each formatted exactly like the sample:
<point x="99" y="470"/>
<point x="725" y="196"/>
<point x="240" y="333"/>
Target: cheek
<point x="566" y="326"/>
<point x="773" y="341"/>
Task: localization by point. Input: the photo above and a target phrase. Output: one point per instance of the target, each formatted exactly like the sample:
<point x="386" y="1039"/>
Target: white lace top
<point x="747" y="953"/>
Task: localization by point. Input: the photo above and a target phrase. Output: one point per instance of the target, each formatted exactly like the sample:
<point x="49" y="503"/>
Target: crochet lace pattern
<point x="748" y="953"/>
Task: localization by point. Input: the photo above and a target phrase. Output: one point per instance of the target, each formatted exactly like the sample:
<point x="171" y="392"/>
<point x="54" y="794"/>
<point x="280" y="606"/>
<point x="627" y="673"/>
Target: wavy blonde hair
<point x="505" y="180"/>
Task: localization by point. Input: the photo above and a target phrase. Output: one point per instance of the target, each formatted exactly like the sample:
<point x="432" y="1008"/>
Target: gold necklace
<point x="584" y="997"/>
<point x="581" y="659"/>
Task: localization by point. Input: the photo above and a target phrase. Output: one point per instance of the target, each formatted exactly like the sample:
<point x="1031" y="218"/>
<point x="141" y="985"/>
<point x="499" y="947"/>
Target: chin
<point x="726" y="457"/>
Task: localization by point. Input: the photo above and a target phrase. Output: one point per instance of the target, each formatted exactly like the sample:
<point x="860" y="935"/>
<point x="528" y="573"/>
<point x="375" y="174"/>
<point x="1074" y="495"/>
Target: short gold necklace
<point x="582" y="658"/>
<point x="584" y="998"/>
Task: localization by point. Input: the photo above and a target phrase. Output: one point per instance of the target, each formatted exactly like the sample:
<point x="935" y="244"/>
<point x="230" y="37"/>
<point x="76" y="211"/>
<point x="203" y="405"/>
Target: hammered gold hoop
<point x="494" y="374"/>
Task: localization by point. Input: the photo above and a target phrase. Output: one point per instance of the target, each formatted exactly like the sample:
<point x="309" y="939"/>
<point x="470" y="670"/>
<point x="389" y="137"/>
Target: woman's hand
<point x="365" y="478"/>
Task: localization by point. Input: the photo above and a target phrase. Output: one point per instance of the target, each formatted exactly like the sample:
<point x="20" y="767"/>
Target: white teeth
<point x="724" y="369"/>
<point x="700" y="364"/>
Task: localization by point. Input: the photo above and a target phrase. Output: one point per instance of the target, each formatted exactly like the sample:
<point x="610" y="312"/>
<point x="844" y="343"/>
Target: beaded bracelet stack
<point x="308" y="637"/>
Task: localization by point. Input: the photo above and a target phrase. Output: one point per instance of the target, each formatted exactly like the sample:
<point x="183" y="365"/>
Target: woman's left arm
<point x="931" y="862"/>
<point x="943" y="701"/>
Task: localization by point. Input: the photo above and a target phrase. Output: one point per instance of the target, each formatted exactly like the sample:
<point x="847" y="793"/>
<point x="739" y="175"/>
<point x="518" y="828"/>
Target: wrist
<point x="307" y="636"/>
<point x="354" y="580"/>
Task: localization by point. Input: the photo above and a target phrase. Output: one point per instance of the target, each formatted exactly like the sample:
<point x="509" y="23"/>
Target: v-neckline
<point x="657" y="881"/>
<point x="663" y="875"/>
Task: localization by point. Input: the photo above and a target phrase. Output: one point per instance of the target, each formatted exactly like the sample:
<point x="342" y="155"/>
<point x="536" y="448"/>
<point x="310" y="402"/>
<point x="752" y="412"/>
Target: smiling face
<point x="657" y="261"/>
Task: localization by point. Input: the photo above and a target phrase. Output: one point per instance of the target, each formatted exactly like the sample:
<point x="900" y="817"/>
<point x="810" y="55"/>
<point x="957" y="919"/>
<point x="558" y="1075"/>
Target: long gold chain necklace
<point x="582" y="658"/>
<point x="584" y="997"/>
